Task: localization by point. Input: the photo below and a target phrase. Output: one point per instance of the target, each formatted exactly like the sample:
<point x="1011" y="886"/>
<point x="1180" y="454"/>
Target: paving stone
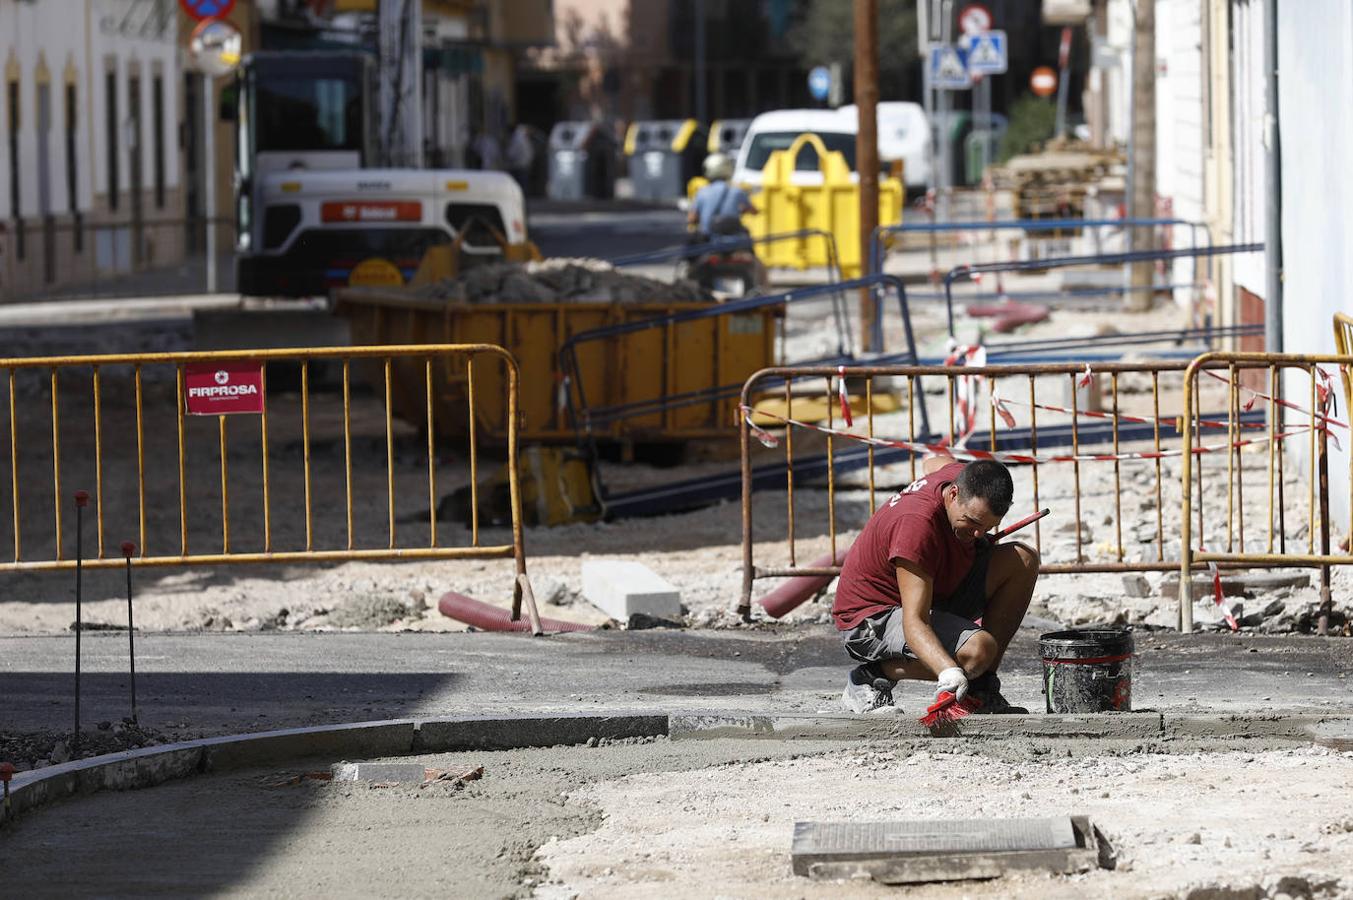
<point x="942" y="849"/>
<point x="621" y="588"/>
<point x="1237" y="584"/>
<point x="1136" y="585"/>
<point x="380" y="772"/>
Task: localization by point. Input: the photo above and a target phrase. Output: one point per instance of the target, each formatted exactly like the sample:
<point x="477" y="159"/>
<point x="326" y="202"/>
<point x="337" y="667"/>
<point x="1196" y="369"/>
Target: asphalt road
<point x="604" y="231"/>
<point x="222" y="683"/>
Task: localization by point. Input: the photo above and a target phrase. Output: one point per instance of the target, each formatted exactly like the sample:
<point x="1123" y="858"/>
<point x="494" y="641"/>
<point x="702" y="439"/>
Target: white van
<point x="902" y="135"/>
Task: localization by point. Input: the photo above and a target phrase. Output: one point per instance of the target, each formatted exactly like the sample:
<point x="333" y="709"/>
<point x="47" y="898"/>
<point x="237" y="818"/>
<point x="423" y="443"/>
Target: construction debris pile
<point x="1054" y="182"/>
<point x="559" y="280"/>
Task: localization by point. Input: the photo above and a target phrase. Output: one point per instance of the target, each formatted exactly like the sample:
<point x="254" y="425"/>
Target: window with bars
<point x="110" y="126"/>
<point x="73" y="167"/>
<point x="15" y="201"/>
<point x="157" y="125"/>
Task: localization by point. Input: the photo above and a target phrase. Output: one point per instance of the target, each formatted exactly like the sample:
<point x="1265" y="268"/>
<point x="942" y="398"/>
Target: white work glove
<point x="954" y="680"/>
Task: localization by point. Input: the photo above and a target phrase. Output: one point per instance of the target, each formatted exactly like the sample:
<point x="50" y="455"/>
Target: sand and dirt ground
<point x="656" y="818"/>
<point x="662" y="818"/>
<point x="1133" y="505"/>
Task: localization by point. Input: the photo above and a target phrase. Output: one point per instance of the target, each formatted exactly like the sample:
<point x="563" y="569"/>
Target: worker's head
<point x="978" y="499"/>
<point x="718" y="166"/>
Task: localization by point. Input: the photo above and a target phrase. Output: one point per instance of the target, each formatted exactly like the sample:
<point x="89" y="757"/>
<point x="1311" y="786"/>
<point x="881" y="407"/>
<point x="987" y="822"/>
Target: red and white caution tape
<point x="768" y="440"/>
<point x="1219" y="596"/>
<point x="1286" y="404"/>
<point x="960" y="452"/>
<point x="966" y="388"/>
<point x="1096" y="414"/>
<point x="844" y="397"/>
<point x="1000" y="404"/>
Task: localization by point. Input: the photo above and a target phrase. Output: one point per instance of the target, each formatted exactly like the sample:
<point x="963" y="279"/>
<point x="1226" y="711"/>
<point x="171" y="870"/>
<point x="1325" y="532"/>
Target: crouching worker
<point x="920" y="578"/>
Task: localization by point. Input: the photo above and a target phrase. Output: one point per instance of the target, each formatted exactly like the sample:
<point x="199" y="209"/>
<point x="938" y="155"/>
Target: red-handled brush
<point x="947" y="708"/>
<point x="1027" y="520"/>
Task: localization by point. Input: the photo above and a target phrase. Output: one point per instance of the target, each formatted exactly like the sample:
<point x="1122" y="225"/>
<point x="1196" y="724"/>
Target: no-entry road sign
<point x="1043" y="81"/>
<point x="974" y="19"/>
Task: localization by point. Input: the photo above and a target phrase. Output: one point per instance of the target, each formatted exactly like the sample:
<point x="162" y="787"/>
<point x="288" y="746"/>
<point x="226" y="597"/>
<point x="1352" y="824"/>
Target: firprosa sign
<point x="222" y="388"/>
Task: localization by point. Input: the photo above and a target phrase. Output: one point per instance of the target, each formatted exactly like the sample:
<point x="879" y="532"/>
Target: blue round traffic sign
<point x="820" y="82"/>
<point x="207" y="9"/>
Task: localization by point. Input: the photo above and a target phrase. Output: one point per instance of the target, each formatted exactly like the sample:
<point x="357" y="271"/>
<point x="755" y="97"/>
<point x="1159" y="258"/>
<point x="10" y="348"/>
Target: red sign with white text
<point x="372" y="211"/>
<point x="222" y="388"/>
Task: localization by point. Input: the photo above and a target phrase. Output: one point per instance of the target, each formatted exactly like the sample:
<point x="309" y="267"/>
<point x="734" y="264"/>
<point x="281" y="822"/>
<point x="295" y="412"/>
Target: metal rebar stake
<point x="128" y="551"/>
<point x="81" y="501"/>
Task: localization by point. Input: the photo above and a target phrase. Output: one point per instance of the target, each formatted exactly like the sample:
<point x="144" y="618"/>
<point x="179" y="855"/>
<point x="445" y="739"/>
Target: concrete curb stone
<point x="150" y="766"/>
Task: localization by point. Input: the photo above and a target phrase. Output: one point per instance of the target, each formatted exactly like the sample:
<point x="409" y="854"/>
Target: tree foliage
<point x="826" y="34"/>
<point x="1032" y="121"/>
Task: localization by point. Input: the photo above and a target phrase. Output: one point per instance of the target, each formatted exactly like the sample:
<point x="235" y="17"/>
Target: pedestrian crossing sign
<point x="986" y="53"/>
<point x="948" y="68"/>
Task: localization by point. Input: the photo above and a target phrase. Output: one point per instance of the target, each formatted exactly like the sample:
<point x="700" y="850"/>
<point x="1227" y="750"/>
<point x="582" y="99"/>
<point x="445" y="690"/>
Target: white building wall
<point x="1315" y="77"/>
<point x="127" y="52"/>
<point x="1118" y="78"/>
<point x="1249" y="115"/>
<point x="34" y="36"/>
<point x="79" y="36"/>
<point x="1179" y="125"/>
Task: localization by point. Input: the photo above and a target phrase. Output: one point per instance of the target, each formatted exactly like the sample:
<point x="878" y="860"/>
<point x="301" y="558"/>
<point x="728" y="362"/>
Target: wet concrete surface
<point x="206" y="684"/>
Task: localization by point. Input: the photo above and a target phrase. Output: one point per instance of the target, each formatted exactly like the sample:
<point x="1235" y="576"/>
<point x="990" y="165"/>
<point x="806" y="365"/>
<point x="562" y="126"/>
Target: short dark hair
<point x="989" y="480"/>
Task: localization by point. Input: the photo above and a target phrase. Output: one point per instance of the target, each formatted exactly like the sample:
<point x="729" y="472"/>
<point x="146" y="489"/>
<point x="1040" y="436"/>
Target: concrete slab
<point x="1337" y="734"/>
<point x="416" y="773"/>
<point x="928" y="850"/>
<point x="621" y="588"/>
<point x="1239" y="584"/>
<point x="507" y="732"/>
<point x="874" y="726"/>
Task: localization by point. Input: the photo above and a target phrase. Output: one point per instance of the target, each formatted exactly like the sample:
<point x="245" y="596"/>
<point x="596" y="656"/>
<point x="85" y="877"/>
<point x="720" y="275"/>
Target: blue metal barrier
<point x="726" y="243"/>
<point x="876" y="240"/>
<point x="679" y="253"/>
<point x="1061" y="262"/>
<point x="1053" y="295"/>
<point x="682" y="495"/>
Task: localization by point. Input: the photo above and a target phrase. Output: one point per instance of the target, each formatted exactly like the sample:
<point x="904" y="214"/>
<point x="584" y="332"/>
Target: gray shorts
<point x="880" y="636"/>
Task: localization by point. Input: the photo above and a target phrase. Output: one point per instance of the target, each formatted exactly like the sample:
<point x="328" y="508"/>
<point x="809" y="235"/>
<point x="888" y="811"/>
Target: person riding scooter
<point x="726" y="262"/>
<point x="718" y="207"/>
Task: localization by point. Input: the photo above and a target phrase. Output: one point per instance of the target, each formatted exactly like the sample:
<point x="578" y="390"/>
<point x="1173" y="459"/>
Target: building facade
<point x="91" y="109"/>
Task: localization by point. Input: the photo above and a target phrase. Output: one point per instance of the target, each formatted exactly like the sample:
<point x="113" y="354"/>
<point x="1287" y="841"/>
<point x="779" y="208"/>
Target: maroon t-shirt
<point x="913" y="526"/>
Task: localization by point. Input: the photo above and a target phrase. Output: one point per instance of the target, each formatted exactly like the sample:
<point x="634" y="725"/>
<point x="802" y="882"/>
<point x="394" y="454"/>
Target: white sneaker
<point x="869" y="697"/>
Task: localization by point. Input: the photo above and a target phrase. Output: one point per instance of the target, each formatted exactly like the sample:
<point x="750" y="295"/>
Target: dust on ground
<point x="1254" y="823"/>
<point x="657" y="818"/>
<point x="1129" y="511"/>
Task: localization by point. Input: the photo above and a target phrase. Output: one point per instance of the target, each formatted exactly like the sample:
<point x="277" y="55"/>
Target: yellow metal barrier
<point x="1308" y="419"/>
<point x="1343" y="335"/>
<point x="315" y="470"/>
<point x="1121" y="424"/>
<point x="1096" y="448"/>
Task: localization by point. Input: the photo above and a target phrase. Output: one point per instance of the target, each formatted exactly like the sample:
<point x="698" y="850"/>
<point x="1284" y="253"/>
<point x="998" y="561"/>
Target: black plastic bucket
<point x="1087" y="671"/>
